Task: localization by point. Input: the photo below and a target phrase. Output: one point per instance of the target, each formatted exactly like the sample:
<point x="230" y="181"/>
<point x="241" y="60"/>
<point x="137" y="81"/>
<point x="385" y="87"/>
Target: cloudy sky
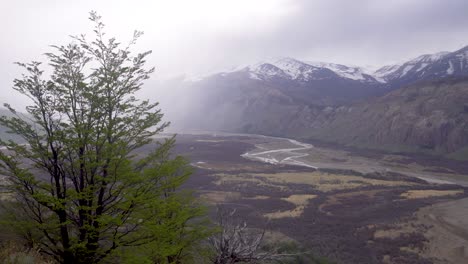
<point x="202" y="36"/>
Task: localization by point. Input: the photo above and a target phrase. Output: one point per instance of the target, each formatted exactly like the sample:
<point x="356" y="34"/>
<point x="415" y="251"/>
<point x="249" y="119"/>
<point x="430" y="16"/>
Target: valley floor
<point x="346" y="206"/>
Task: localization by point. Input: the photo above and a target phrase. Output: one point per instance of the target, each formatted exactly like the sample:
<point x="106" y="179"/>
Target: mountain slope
<point x="431" y="116"/>
<point x="232" y="102"/>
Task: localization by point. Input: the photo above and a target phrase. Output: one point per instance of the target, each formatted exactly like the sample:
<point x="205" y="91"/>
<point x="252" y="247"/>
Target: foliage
<point x="82" y="194"/>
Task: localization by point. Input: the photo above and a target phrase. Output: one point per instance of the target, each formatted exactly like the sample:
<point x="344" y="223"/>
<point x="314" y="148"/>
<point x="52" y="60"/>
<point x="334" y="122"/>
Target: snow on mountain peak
<point x="450" y="63"/>
<point x="296" y="69"/>
<point x="289" y="67"/>
<point x="430" y="57"/>
<point x="350" y="72"/>
<point x="266" y="69"/>
<point x="416" y="65"/>
<point x="306" y="70"/>
<point x="386" y="70"/>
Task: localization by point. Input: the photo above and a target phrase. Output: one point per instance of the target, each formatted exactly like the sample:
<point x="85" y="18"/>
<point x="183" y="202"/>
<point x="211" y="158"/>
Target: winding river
<point x="289" y="156"/>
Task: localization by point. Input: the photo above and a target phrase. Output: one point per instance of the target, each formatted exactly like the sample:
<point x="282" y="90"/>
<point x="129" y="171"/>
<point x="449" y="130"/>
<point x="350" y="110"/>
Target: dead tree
<point x="236" y="243"/>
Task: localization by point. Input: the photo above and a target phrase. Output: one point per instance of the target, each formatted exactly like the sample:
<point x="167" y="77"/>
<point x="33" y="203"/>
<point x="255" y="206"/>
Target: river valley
<point x="347" y="206"/>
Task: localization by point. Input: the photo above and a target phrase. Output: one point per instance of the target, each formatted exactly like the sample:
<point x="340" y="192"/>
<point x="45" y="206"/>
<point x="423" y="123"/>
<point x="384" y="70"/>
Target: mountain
<point x="426" y="67"/>
<point x="417" y="105"/>
<point x="306" y="82"/>
<point x="235" y="102"/>
<point x="428" y="116"/>
<point x="350" y="72"/>
<point x="266" y="95"/>
<point x="293" y="69"/>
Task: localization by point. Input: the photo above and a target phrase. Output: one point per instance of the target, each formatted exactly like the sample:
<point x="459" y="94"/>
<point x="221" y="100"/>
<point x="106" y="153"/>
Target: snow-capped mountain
<point x="414" y="66"/>
<point x="426" y="67"/>
<point x="305" y="71"/>
<point x="287" y="68"/>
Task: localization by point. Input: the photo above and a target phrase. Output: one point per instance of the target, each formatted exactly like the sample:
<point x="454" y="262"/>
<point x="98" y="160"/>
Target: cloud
<point x="208" y="35"/>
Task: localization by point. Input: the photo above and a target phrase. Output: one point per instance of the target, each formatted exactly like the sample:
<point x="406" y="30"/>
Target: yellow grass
<point x="417" y="194"/>
<point x="320" y="181"/>
<point x="390" y="233"/>
<point x="242" y="180"/>
<point x="328" y="182"/>
<point x="259" y="197"/>
<point x="300" y="200"/>
<point x="216" y="197"/>
<point x="296" y="212"/>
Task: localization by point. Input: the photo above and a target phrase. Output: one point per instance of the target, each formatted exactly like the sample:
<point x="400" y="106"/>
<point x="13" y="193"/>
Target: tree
<point x="86" y="193"/>
<point x="235" y="242"/>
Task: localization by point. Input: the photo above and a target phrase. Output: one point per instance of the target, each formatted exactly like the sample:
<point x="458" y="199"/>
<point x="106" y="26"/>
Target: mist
<point x="196" y="38"/>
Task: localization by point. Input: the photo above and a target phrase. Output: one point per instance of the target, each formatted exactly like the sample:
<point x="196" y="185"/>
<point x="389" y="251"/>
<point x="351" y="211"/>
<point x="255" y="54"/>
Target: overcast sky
<point x="201" y="36"/>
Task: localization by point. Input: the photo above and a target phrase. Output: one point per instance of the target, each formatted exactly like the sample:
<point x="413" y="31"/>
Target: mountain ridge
<point x="453" y="63"/>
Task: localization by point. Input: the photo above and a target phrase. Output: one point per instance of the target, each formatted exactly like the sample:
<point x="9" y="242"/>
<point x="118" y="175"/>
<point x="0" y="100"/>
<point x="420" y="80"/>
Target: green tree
<point x="85" y="192"/>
